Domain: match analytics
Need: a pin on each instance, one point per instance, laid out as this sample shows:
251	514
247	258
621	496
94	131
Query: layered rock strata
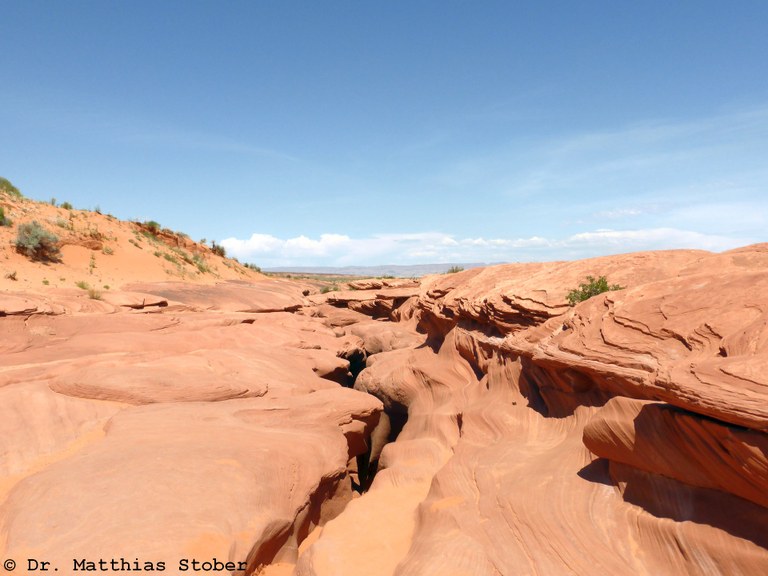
490	428
625	435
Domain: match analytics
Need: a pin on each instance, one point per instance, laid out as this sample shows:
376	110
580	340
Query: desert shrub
252	267
591	287
36	242
151	226
454	269
8	188
82	284
183	255
3	220
170	258
218	249
66	206
200	263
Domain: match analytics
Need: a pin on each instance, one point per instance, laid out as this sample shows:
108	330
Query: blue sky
340	133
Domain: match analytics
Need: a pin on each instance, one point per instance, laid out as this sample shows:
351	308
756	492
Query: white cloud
651	239
619	213
434	247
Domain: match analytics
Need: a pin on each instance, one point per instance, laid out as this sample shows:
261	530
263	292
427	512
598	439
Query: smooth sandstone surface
133	428
469	423
514	488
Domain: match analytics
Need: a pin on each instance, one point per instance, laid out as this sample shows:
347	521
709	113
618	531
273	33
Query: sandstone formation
470	423
625	435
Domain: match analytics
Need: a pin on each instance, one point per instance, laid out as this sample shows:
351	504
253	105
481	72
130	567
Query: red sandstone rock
216	425
658	438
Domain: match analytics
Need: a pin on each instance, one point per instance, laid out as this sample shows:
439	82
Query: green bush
592	287
454	269
3	220
218	249
66	205
8	188
198	261
36	242
151	226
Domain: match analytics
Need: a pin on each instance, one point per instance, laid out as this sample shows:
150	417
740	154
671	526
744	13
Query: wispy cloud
619	213
90	120
600	172
434	247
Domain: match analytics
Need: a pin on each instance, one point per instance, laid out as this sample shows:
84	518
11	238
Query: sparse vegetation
170	258
67	206
107	250
218	249
151	226
183	255
591	287
10	189
92	263
45	282
198	261
37	243
93	232
252	267
93	293
454	269
11	276
3	220
326	289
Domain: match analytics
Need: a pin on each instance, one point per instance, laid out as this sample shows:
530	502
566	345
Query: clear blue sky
397	132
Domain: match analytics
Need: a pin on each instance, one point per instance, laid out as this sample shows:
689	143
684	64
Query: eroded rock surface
625	435
175	433
491	428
